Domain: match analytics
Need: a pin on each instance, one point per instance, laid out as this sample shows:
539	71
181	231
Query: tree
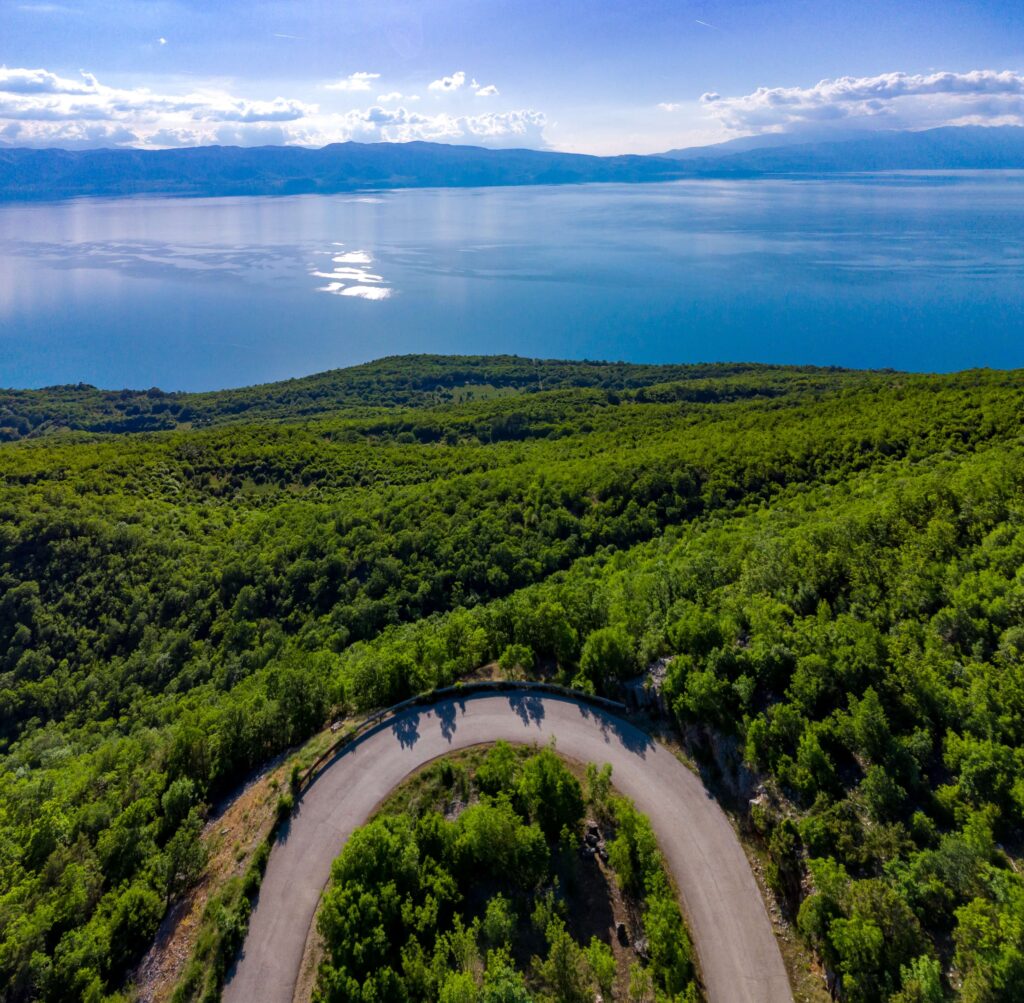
599	786
883	796
458	987
870	726
516	660
502	983
551	793
185	855
608	657
565	970
921	982
499	922
499	769
641	985
176	802
602	964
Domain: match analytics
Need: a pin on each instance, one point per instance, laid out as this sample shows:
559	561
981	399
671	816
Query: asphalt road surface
737	950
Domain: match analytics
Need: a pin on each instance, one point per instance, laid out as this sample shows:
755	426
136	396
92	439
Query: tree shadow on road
629	736
446	714
528	706
407	729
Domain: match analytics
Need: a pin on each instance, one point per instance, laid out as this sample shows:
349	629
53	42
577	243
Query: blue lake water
922	272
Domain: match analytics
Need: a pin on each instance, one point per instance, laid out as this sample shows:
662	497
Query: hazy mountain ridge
947	148
764	141
278	170
39	174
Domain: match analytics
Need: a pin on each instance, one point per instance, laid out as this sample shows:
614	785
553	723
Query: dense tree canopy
832	561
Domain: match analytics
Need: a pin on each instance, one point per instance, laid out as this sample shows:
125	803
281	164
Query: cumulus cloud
23	81
251	135
354	82
77	135
886	101
239	110
507	129
496	129
489	91
57	110
452	83
669	105
40	108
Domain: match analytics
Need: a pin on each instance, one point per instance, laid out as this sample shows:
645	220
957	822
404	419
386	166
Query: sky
597	77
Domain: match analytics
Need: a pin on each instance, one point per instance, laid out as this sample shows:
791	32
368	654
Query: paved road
738	954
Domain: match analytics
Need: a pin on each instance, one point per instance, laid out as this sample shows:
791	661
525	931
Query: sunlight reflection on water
367	285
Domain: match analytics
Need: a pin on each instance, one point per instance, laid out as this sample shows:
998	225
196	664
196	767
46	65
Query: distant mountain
281	170
765	141
284	170
949	148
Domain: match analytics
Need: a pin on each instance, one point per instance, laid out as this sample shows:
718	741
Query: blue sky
594	77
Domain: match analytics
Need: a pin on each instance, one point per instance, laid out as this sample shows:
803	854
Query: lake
916	271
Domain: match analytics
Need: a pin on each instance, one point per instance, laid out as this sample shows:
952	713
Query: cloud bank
41	108
495	129
887	101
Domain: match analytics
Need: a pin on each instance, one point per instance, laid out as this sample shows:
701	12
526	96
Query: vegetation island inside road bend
496	877
830	561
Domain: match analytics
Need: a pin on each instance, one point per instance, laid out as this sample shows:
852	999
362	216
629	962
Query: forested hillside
833	559
415	381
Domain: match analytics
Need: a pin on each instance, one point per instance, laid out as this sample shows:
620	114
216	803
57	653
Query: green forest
831	560
475	886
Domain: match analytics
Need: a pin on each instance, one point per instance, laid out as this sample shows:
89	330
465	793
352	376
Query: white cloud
40	108
886	101
487	92
452	83
506	129
162	41
669	105
244	134
57	111
239	110
70	135
524	127
354	82
23	81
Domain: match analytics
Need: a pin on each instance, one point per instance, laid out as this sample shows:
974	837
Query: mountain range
947	148
40	174
293	170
